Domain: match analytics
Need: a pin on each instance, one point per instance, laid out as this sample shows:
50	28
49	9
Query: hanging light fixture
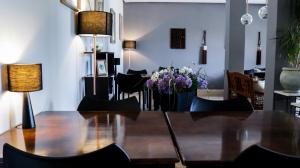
247	18
263	11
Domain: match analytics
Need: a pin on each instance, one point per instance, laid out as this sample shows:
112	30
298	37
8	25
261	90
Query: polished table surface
203	138
144	136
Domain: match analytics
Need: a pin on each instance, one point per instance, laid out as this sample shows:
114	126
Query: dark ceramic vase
167	102
184	100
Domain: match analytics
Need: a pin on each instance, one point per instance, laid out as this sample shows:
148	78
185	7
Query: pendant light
247	18
263	11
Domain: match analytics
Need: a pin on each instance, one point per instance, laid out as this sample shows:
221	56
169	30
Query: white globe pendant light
263	11
247	18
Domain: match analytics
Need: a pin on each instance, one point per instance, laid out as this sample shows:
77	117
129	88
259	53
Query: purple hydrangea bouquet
185	79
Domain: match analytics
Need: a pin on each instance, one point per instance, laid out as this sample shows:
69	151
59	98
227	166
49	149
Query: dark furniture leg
150	99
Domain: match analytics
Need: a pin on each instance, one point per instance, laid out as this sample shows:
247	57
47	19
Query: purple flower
188	82
165	84
149	83
202	83
183	82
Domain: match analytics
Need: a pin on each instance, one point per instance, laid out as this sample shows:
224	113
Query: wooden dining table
217	138
144	136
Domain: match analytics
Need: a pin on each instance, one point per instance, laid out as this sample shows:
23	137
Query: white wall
117	5
24	34
42	31
149	24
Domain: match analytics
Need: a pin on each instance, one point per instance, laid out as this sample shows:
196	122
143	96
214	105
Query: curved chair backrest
140	72
258	155
127	82
204	105
110	156
91	103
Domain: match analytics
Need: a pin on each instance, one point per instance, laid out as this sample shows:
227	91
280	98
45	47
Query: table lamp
94	23
25	78
129	45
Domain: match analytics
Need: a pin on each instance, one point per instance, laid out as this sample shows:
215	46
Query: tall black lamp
25	78
93	23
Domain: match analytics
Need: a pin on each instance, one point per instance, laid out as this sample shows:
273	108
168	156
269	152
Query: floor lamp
94	23
129	45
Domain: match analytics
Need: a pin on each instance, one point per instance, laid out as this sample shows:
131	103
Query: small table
289	96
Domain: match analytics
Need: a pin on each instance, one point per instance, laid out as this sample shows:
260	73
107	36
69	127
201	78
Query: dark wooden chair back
257	155
130	83
204	105
111	156
91	103
242	85
140	72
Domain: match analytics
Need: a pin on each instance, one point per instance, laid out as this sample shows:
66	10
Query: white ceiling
196	1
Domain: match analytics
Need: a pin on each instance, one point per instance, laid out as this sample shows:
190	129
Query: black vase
167	102
184	100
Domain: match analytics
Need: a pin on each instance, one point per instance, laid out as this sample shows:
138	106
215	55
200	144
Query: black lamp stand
28	116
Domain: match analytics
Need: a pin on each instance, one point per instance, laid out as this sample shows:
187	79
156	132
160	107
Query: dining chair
109	157
133	72
204	105
130	83
241	85
257	155
92	103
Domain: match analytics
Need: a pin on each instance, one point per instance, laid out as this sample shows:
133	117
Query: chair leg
143	93
140	98
123	96
118	93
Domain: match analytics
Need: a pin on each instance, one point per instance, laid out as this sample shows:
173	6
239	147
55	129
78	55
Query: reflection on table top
144	136
204	138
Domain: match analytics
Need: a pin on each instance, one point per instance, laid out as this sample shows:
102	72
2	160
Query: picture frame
120	27
113	36
177	38
101	67
72	4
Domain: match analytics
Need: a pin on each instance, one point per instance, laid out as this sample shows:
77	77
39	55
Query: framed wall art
177	40
101	67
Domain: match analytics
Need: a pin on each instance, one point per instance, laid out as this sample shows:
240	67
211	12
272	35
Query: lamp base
28	117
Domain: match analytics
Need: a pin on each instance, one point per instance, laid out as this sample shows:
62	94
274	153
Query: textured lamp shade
94	22
24	77
129	44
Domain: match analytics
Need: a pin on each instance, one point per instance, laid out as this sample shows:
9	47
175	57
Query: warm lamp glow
24	77
129	44
94	23
11	109
9	53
